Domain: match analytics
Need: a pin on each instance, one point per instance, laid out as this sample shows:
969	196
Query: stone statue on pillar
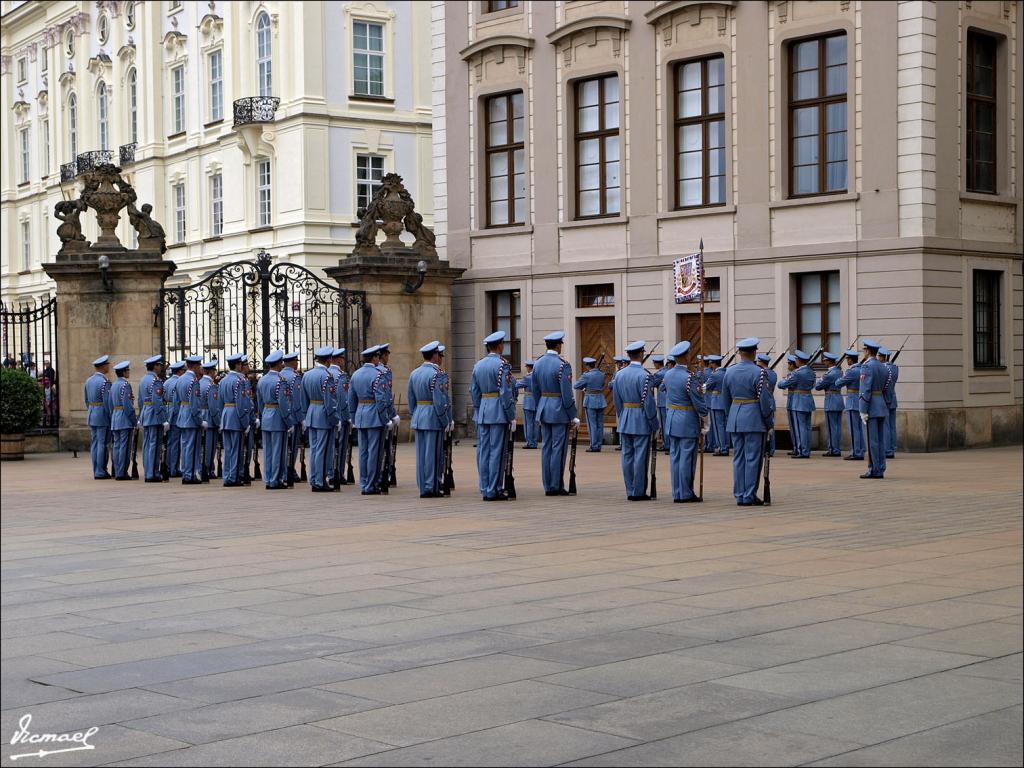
151	233
70	229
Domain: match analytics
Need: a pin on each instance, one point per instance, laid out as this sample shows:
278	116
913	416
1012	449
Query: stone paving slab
296	629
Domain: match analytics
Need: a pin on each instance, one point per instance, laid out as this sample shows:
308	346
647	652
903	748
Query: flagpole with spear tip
700	443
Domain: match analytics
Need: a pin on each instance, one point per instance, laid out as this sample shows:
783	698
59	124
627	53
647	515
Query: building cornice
662	10
591	22
518	41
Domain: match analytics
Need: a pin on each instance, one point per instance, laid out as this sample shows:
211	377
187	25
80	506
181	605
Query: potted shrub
21	408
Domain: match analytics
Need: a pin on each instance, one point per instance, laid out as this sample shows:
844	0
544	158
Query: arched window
263	60
133	105
73	126
101	100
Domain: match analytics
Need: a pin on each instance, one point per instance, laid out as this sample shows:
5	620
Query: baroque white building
245	124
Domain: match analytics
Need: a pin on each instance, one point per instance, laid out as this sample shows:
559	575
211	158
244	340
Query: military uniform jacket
236	408
293	381
368	397
829	383
274	401
657	377
209	401
388	383
634	399
97	400
685	403
747	396
526	384
552	389
800	383
894	376
851	380
247	394
592	384
171	398
874	385
190	408
429	404
320	392
122	405
152	409
713	389
493	391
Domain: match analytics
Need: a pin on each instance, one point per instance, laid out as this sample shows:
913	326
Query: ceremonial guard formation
591	383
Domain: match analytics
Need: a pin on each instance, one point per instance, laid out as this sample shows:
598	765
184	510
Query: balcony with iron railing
255	109
86	161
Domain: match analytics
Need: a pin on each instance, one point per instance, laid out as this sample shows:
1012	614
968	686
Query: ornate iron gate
255	307
30	344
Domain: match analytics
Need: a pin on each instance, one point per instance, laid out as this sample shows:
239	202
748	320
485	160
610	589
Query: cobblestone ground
852	623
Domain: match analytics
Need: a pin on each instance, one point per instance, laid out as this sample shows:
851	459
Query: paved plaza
853	623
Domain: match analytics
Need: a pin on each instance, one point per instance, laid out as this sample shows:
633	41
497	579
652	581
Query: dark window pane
835	50
805	55
700	142
805	85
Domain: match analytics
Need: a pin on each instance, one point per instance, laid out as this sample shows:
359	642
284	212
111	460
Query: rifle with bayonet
656	344
350	475
383	470
897	353
781	355
572	460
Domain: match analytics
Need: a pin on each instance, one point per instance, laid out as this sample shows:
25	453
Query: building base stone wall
945	429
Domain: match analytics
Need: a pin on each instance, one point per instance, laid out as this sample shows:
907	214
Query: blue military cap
852	353
210	364
589	360
177	365
670	358
369	351
430	346
802	355
883	351
495	337
680	349
123	365
529	362
620	359
274	357
234	358
713	358
871	344
384	345
153	359
291	356
338	352
657	358
441	348
194	359
636	346
764	358
244	359
750	342
790	359
324	352
831	356
101	360
555	336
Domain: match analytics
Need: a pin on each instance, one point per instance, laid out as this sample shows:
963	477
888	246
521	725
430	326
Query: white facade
354	83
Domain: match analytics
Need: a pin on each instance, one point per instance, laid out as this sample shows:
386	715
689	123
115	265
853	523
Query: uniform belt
852	389
631	405
367	402
595	391
118	407
550	394
680	407
424	402
743	400
184	402
876	391
489	394
95	405
316	402
801	391
833	392
229	405
714	392
147	402
271	406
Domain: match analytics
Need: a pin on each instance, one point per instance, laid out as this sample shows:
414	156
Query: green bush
21	402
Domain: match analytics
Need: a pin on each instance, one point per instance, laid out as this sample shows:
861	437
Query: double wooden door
689	330
597	338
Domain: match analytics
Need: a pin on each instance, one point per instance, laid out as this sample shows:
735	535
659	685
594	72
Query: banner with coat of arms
688	272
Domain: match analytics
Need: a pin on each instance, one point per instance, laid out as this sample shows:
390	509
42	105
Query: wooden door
689	330
597	337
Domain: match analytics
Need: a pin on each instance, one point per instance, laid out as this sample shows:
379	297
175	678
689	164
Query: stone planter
12	447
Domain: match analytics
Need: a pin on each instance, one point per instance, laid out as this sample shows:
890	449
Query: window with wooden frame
500	5
817	116
505	309
981	112
598	185
818	312
987	312
700	132
506	161
599	295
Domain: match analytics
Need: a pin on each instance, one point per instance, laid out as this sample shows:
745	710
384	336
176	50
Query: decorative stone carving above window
212	29
589	32
21	110
667	16
174	46
100	66
126	53
497	49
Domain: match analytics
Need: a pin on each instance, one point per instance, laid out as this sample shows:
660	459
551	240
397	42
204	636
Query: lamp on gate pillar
103	262
421	275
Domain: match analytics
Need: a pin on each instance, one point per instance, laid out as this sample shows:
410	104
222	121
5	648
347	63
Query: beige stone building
852	167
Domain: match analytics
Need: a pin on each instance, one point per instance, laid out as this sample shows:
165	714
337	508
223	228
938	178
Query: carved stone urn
107	193
393	205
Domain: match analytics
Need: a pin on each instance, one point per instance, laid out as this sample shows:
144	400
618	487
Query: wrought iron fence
255	109
68	172
126	152
29	341
86	161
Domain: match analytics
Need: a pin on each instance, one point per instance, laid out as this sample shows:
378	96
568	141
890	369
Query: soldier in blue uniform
764	361
893	372
657	375
122	419
833	403
235	414
556	410
637	409
338	449
529	407
747	396
621	361
790	418
97	404
274	403
800	384
851	380
389	381
686	412
153	417
173	435
592	384
713	392
874	408
190	420
368	401
290	373
430	416
319	394
209	407
492	392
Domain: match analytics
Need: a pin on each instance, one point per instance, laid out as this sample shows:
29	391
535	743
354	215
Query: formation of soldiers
197	424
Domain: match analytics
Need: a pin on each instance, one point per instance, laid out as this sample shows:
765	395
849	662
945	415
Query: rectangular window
981	112
22	70
505	317
44	60
598	191
263	192
216	86
217	204
179	213
26	246
174	5
817	116
712	289
987	314
368	58
506	171
818	312
602	295
369	172
700	132
44	142
23	142
178	98
501	5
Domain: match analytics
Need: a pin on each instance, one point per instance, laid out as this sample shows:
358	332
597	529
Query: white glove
705	425
246	431
864	418
205	425
576	422
167	427
257	423
351	423
303	425
449	428
291	430
395	421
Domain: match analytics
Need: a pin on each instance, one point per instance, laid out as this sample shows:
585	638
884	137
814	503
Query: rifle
350	475
815	356
572	462
135	453
654	464
336	469
303	477
897	354
767	464
165	471
383	480
257	443
781	355
220	450
447	474
204	471
509	484
285	455
393	461
650	353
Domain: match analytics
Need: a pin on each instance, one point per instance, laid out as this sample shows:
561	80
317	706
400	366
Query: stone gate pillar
106	293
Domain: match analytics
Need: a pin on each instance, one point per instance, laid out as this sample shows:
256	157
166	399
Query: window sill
983	197
706	210
257	230
212	123
213	239
990	370
502	15
24	272
177	135
515	229
595	222
175	245
382	100
796	202
24	184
